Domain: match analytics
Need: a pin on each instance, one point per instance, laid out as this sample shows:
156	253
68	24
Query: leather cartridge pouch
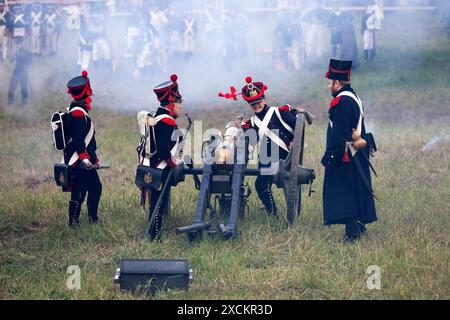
62	174
372	144
147	177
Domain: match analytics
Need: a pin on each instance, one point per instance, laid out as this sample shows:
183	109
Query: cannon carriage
223	192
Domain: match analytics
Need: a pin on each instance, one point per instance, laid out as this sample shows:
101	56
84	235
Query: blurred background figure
189	35
4	17
371	22
149	60
133	33
282	44
314	21
36	27
298	43
52	24
101	53
335	24
349	47
19	24
86	42
20	73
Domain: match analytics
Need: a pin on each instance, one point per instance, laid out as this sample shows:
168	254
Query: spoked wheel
292	189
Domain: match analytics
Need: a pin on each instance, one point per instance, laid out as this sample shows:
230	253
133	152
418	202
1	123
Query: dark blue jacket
266	147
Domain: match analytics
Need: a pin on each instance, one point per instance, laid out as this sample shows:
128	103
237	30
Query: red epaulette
77	114
335	102
169	121
285	108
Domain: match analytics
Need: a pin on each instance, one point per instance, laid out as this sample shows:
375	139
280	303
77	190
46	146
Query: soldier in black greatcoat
80	152
347	191
164	153
274	130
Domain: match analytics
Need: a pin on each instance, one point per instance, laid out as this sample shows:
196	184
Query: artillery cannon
223	175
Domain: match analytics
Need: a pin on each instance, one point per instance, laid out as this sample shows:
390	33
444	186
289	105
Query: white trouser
369	39
3	43
51	39
100	50
84	58
145	58
35	40
132	34
189	43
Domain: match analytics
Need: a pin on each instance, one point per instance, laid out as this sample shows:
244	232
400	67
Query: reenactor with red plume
274	128
80	152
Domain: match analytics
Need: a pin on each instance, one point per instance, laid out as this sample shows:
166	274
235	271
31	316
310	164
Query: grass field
407	99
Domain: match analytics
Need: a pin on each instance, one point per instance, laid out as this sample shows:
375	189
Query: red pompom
84	73
174	78
228	96
249	80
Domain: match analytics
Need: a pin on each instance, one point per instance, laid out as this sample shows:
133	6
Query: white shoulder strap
264	131
160	117
288	128
79	109
360	105
88	138
146	161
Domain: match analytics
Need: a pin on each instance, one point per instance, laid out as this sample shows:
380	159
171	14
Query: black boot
373	54
269	203
92	205
354	229
74	214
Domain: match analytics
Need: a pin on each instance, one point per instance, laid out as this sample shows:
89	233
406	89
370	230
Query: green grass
407	104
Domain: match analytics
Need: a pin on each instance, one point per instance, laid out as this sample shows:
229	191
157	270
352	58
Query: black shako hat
339	70
80	87
168	92
253	92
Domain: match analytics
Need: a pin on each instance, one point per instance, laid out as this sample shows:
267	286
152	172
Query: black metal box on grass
150	276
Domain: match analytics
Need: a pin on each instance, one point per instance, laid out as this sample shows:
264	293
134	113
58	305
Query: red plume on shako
80	89
252	92
168	93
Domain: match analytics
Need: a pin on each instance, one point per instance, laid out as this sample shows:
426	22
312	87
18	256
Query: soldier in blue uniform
164	146
347	191
4	34
35	29
273	125
80	152
18	25
20	73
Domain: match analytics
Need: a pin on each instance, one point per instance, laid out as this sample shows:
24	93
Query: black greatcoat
344	194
